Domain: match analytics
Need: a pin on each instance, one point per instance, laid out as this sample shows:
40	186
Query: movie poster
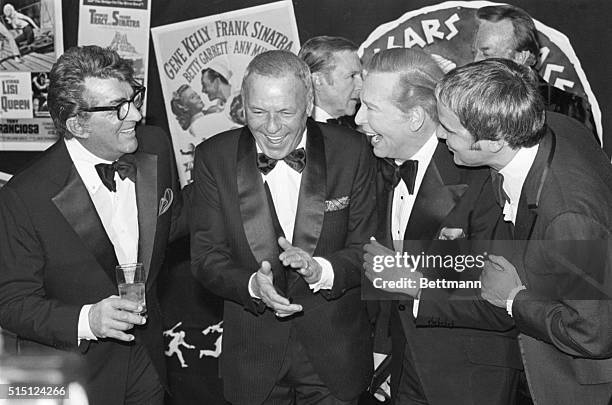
121	25
447	30
201	63
30	42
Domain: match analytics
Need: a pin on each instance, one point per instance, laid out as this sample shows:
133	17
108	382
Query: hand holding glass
131	283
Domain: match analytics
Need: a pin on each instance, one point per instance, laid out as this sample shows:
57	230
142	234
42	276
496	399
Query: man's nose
272	124
360	118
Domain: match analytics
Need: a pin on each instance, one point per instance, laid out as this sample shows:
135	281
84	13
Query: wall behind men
584	22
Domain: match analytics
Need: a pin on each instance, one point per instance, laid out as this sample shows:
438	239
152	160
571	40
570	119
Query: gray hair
419	75
318	52
277	64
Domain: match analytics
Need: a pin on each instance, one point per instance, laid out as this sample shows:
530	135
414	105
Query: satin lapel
254	210
532	189
76	206
147	198
434	202
311	200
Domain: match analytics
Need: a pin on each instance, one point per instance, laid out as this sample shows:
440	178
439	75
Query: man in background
335	69
508	32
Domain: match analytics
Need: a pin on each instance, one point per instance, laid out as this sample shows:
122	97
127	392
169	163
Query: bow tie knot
106	171
407	171
295	160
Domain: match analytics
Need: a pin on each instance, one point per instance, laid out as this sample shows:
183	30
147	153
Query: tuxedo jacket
233	232
55	257
451	362
565	314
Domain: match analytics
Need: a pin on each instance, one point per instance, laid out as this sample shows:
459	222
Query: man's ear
76	128
416	118
317	79
525	58
492	146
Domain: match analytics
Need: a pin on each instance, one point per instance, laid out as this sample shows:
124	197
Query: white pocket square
165	202
451	234
337	204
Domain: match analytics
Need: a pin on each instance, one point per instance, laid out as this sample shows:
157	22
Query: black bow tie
295	160
407	171
345	121
106	171
498	188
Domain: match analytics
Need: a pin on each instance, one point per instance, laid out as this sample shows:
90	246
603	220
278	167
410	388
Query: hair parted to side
419	75
318	52
67	77
525	32
495	99
278	64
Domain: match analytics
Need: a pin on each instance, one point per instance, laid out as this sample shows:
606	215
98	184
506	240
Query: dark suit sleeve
579	321
212	261
24	307
347	262
464	307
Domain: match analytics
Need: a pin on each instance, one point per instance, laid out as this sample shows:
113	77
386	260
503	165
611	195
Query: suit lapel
311	200
75	204
435	199
532	189
254	211
146	200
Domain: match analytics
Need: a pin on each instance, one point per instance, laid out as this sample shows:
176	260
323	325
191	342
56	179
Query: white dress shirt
403	202
117	211
284	185
320	115
515	173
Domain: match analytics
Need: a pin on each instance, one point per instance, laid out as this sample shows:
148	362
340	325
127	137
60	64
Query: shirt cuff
84	330
251	293
512	296
327	276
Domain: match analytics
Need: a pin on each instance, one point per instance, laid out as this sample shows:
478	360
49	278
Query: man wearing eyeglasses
104	194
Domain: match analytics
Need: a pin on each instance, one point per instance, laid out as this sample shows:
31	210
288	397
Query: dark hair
496	99
525	32
212	74
318	52
419	75
277	63
180	110
67	80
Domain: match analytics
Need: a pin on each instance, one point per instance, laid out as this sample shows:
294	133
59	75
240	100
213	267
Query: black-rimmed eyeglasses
123	108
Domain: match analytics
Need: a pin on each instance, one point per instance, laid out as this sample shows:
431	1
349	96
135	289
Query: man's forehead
106	89
346	60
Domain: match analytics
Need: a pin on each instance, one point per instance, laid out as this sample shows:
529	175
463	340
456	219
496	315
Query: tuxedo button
401	307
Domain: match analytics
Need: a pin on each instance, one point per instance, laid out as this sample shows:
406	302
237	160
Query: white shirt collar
515	174
85	162
320	115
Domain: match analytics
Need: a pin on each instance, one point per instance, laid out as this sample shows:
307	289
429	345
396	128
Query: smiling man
335	69
420	191
88	203
284	206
